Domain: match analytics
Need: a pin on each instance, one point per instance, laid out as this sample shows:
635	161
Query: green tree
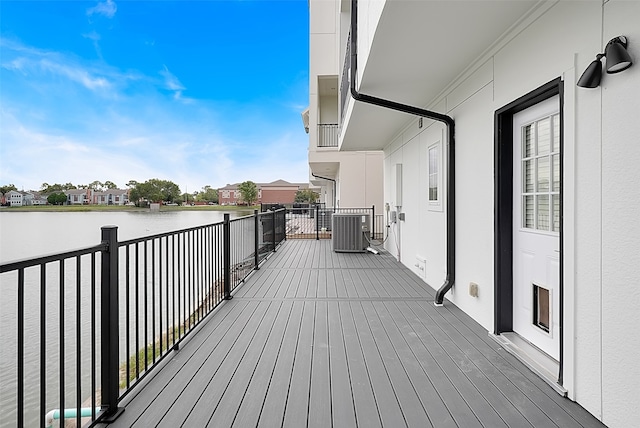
306	195
110	185
248	192
208	194
57	198
7	188
96	186
187	197
53	188
155	190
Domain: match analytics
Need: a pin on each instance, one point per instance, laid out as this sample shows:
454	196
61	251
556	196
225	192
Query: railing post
373	222
109	341
257	239
317	222
273	224
226	254
284	225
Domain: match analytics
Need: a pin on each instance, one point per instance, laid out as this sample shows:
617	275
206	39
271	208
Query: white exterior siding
358	175
601	179
620	229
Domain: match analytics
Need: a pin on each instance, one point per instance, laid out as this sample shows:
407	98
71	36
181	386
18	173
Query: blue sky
196	92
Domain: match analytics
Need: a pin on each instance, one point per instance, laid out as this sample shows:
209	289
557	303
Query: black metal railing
92	323
314	221
328	135
344	82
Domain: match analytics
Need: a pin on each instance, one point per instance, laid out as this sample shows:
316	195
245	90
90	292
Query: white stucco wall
360	180
602	196
329	110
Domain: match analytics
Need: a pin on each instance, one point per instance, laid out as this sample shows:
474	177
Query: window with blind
434	174
541	174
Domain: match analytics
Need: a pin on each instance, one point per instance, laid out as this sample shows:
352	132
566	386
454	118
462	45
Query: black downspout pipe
448	121
334	188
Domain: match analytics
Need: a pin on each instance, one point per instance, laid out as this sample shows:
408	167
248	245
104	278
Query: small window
541	174
434	163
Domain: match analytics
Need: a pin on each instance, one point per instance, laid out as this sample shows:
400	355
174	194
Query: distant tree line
153	190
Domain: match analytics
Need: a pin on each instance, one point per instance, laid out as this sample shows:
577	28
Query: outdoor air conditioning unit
350	233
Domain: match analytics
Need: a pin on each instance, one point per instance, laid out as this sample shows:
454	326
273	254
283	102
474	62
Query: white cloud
107	8
76	74
95	38
172	83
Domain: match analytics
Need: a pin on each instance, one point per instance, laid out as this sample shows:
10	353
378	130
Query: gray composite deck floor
320	339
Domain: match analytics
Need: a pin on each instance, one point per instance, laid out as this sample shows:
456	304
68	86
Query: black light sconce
618	59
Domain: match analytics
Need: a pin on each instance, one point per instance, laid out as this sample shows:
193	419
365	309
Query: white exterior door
536	222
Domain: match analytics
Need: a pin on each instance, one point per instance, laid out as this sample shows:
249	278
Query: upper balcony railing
91	323
344	84
328	135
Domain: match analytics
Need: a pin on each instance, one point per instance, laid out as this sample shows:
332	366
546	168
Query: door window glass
541	174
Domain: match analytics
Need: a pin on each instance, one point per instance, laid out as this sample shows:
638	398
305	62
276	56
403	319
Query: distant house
14	198
111	197
33	198
38	199
279	191
78	196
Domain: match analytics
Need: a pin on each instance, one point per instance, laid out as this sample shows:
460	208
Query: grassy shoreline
123	208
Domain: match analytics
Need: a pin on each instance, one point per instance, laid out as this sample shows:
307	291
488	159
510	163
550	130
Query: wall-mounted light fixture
618	59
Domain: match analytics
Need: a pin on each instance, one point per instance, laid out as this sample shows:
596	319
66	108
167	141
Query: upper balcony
413	53
327	135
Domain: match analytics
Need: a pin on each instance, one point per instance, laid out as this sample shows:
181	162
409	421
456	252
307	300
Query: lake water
31	234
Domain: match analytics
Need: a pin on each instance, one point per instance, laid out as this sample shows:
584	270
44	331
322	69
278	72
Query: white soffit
418	49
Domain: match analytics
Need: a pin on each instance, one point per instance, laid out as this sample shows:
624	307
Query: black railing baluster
273	232
187	278
93	337
153	301
159	294
20	347
184	318
43	343
317	222
226	249
61	348
167	289
174	288
256	240
127	309
145	265
373	222
200	300
137	269
78	341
